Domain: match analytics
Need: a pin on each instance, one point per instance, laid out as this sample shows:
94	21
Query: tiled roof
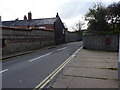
43	21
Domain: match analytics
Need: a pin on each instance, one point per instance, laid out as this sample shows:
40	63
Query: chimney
29	15
57	15
25	17
16	19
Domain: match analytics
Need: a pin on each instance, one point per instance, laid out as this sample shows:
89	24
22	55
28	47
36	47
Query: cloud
72	21
70	11
11	9
73	9
94	0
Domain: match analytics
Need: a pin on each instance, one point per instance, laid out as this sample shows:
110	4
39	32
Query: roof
19	29
43	21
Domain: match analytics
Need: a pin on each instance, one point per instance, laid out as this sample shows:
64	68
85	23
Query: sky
70	11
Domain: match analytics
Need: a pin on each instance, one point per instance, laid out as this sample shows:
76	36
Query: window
30	27
42	27
63	31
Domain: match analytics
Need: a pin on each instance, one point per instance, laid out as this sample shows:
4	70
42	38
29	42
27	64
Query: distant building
54	24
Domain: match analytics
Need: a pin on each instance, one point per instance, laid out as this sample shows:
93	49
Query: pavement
90	69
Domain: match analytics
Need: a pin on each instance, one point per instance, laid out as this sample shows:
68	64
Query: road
27	71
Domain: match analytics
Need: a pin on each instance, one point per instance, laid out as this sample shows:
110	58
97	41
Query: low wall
119	64
101	42
22	40
71	37
19	40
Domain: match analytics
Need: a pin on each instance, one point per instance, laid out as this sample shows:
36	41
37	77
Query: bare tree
77	26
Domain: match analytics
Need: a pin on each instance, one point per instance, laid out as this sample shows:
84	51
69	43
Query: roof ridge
41	21
31	19
45	18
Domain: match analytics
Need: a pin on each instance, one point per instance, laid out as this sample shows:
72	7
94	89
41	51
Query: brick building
53	24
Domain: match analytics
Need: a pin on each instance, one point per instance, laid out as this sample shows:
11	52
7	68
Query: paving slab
63	82
96	59
91	72
92	83
94	65
95	53
90	69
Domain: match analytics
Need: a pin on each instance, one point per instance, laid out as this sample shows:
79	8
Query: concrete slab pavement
90	69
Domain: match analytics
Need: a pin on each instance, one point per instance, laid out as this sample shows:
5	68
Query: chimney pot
57	15
29	15
16	19
25	17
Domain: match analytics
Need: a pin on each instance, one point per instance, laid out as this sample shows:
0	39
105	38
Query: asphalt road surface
27	71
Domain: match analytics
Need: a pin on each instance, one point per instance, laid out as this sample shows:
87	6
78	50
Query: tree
97	18
77	26
114	15
77	29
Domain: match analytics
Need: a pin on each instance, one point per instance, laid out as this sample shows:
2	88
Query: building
0	21
53	24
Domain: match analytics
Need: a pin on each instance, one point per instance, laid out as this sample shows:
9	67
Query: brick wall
19	40
99	42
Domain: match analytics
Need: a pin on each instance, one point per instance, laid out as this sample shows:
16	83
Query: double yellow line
55	72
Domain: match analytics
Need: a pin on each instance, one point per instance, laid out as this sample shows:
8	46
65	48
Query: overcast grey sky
70	11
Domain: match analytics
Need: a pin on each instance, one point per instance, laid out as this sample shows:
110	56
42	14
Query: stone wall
19	40
71	37
119	63
23	40
101	42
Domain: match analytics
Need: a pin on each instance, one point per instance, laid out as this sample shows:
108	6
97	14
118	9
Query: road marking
56	71
3	70
71	43
40	57
61	49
